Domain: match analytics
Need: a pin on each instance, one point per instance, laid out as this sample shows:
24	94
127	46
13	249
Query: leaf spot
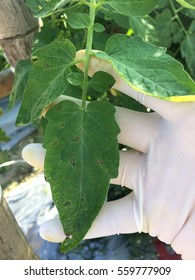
72	162
67	203
77	138
68	236
47	65
58	108
55	142
99	161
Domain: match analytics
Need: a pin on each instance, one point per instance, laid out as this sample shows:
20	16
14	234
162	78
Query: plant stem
177	17
92	12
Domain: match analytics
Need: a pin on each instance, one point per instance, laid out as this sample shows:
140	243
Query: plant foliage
150	44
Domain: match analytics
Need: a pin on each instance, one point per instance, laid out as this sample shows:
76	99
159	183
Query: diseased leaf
81	158
47	79
133	7
148	68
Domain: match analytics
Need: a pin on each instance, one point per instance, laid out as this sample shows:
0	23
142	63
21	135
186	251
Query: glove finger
169	110
136	128
115	217
184	242
128	169
34	154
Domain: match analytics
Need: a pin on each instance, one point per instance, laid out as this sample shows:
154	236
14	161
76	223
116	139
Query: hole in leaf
67	203
72	162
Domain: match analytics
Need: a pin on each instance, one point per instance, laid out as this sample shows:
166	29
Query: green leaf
81	158
75	79
190	4
177	32
148	68
163	22
98	27
122	20
43	8
79	20
20	81
47	79
4	156
132	7
3	136
145	28
101	81
188	52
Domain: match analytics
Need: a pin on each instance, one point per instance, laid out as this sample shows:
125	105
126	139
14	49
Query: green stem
177	17
92	12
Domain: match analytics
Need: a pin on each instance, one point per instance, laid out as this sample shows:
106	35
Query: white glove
160	171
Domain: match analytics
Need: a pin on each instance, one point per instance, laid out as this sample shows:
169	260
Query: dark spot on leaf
55	142
87	170
76	138
72	162
82	199
58	108
67	203
62	125
68	236
99	161
47	65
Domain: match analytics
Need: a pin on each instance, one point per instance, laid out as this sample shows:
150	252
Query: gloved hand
159	170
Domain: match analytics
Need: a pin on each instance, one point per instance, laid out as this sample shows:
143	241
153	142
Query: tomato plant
147	42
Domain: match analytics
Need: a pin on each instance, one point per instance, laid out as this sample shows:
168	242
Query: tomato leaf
79	20
81	157
188	51
20	80
47	79
3	136
145	28
148	68
43	8
190	4
133	7
101	81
